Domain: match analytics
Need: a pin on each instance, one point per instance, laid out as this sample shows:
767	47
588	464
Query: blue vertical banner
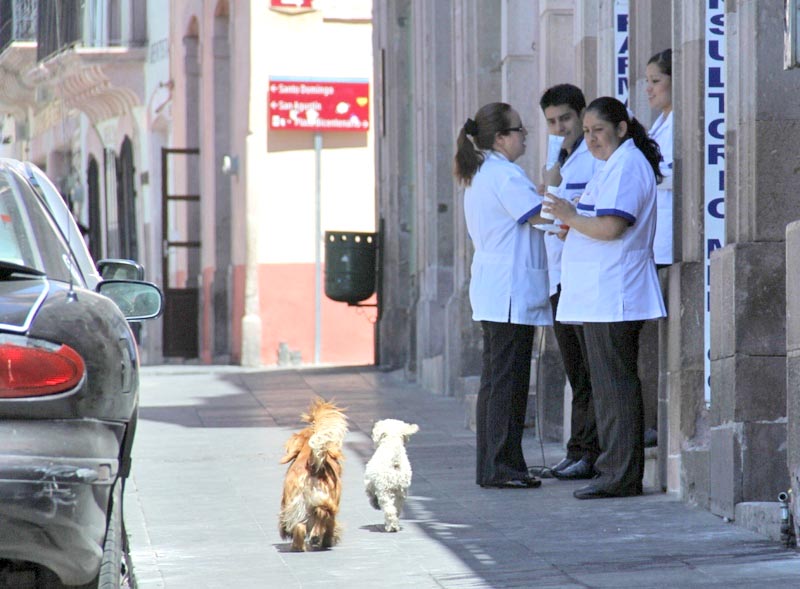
621	51
714	218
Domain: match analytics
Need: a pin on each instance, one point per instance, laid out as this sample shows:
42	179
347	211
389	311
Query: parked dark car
69	377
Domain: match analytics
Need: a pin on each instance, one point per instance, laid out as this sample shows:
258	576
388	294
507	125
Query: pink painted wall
274	188
287	311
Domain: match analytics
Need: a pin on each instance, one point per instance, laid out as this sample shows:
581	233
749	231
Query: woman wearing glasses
508	287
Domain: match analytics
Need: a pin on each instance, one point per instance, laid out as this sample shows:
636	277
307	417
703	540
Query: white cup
546	197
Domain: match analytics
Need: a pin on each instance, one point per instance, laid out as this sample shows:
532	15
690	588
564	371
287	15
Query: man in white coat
563	107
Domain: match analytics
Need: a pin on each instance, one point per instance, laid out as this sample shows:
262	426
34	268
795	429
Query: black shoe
580	470
526	483
540	471
532	482
591	492
565	463
650	438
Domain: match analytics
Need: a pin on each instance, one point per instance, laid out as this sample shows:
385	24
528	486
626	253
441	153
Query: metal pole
317	240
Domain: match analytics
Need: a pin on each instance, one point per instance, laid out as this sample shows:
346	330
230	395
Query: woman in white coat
659	96
609	284
508	286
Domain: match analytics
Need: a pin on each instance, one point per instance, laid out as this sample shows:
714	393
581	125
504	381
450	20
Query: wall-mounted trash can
350	265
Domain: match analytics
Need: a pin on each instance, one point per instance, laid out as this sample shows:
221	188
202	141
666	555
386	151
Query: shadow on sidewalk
501	537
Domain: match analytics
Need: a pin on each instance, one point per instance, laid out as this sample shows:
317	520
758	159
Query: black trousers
613	350
502	400
583	442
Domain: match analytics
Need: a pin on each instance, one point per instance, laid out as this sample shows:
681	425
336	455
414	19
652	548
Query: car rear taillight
36	371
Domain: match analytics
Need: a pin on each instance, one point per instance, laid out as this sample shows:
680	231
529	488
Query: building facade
725	404
152	117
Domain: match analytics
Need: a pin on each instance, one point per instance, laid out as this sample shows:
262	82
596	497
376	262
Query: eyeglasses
520	129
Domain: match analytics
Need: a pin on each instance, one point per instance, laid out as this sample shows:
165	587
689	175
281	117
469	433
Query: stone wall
682	413
738	449
748	375
793	367
748	276
394	182
432	154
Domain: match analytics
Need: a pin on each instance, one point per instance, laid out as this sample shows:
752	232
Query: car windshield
28	236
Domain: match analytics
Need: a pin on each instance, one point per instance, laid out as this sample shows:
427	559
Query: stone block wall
433	149
394	183
748	367
683	406
687	419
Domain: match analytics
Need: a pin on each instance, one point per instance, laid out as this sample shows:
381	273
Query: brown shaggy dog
312	487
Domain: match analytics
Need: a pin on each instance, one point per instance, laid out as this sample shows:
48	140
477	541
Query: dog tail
325	452
330	427
321	409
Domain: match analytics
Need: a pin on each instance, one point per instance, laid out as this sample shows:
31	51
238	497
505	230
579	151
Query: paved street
202	504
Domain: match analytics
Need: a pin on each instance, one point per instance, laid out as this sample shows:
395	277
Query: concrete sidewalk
202	504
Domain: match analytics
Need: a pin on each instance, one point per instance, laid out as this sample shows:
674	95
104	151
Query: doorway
180	238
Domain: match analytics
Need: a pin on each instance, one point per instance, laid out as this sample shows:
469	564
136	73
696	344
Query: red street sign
292	4
318	105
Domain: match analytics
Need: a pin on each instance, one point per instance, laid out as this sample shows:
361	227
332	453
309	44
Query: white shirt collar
661	123
626	146
492	153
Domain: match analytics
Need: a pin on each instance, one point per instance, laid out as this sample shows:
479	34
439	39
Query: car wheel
115	567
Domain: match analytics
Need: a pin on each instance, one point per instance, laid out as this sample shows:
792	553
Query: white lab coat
508	281
661	131
616	280
575	175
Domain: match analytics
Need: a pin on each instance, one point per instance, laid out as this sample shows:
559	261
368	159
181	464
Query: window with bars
58	26
89	23
17	21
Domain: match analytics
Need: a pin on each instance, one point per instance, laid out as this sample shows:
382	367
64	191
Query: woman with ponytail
508	287
609	284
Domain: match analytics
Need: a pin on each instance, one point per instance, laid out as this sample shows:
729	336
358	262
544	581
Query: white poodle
388	473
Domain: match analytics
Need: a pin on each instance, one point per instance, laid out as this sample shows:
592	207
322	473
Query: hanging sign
714	218
621	51
292	6
318	105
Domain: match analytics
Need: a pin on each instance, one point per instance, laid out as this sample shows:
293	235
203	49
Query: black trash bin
350	265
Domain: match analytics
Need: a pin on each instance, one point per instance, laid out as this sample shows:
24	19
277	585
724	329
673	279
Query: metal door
180	238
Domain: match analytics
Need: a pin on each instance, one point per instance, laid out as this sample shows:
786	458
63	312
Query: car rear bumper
55	481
